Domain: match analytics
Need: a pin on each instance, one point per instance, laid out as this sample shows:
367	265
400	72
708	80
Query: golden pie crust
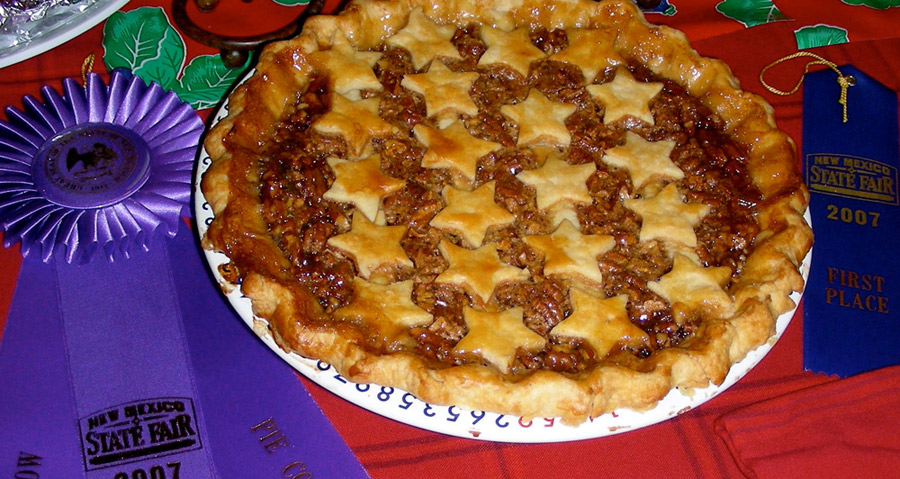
498	362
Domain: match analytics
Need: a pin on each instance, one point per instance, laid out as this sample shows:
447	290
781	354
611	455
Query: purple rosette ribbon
132	365
101	168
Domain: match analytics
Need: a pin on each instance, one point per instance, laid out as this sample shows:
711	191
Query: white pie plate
453	420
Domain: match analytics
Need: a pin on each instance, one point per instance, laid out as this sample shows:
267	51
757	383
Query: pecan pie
547	208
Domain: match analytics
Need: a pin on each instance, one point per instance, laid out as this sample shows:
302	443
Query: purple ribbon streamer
89	348
264	396
37	436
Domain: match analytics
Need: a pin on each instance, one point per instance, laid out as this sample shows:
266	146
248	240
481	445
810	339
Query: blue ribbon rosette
120	357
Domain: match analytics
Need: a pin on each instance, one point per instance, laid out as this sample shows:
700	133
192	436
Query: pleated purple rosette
98	169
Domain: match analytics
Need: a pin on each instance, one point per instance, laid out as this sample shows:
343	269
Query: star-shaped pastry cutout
540	120
563	212
644	160
602	322
356	121
690	286
590	50
470	214
625	96
453	148
445	91
510	48
557	181
371	246
387	310
477	271
424	39
667	217
570	254
361	183
349	70
497	336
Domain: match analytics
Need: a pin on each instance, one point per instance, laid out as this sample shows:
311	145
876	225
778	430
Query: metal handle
235	50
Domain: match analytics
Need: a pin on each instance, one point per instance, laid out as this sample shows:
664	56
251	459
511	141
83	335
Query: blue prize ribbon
851	309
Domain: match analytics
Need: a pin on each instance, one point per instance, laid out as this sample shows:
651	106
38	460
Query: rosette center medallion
91	165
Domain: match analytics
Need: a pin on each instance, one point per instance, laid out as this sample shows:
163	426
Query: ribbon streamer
851	171
102	362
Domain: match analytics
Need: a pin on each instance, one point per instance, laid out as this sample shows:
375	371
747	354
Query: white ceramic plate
76	24
453	420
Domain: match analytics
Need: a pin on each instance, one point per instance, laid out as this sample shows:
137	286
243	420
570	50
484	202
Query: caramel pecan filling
303	163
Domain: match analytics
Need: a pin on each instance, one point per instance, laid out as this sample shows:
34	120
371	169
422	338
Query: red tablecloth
685	446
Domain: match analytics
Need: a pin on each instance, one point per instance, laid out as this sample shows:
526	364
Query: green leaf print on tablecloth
145	42
750	12
820	36
876	4
205	81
